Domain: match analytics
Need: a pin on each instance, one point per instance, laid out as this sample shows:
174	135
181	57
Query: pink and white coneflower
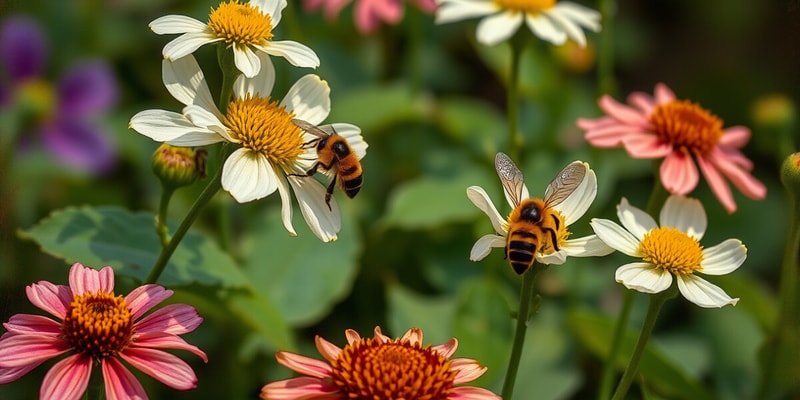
379	368
94	325
661	126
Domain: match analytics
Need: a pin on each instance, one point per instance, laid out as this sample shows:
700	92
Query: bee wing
511	178
310	128
564	184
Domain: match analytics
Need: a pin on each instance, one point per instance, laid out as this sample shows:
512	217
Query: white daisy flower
566	199
244	27
551	20
271	149
671	249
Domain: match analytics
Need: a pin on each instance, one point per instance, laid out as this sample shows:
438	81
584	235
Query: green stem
656	302
229	75
166	252
605	57
523	318
609	366
161	219
658	195
515	141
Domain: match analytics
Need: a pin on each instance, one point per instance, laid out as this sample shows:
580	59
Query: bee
334	154
533	223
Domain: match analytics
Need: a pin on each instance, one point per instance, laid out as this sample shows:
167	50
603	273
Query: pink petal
678	173
646	146
663	94
717	184
166	368
643	102
33	324
120	383
595	123
447	349
52	298
304	365
157	340
369	14
301	388
613	135
744	181
735	137
20	350
352	336
413	336
472	393
328	350
145	297
175	319
67	379
468	370
84	279
379	336
622	112
8	375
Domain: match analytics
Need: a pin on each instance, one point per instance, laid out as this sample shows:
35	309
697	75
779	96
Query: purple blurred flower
85	90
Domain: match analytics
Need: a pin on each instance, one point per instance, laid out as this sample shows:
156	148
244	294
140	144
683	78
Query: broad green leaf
475	123
258	311
408	309
734	338
594	332
301	275
128	242
374	107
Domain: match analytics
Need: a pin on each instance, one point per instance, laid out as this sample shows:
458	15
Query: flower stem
605	58
229	75
656	302
523	318
161	219
166	252
616	342
515	141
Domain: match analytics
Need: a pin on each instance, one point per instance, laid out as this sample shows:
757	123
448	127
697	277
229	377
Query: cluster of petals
316	382
31	340
554	24
195	33
689	218
572	209
369	14
630	126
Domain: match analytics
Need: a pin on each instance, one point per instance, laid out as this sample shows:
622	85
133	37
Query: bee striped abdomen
521	249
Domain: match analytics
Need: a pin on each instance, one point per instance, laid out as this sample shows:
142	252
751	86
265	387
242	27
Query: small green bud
790	175
179	166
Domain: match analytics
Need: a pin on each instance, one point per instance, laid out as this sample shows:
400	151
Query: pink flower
369	13
95	325
379	368
665	127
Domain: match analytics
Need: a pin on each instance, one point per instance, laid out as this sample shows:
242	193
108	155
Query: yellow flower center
672	250
532	7
687	126
264	127
98	324
369	369
240	24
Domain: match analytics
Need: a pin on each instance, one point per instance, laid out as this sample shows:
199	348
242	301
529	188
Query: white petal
324	222
271	7
587	246
176	24
297	54
685	214
457	10
496	28
167	126
583	16
723	258
615	236
248	176
286	206
635	220
352	134
246	61
481	199
185	81
703	293
259	85
206	119
484	245
643	277
544	28
576	204
309	98
566	24
187	43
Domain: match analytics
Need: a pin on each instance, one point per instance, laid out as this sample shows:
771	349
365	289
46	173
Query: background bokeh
431	104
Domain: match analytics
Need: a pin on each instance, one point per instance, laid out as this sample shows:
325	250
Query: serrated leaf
127	242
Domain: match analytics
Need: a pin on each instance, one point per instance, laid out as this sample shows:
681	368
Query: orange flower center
687	126
672	250
392	370
264	127
527	6
98	324
240	24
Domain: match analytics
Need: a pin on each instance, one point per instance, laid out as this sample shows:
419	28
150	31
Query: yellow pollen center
240	24
562	234
672	250
532	7
98	324
687	126
263	126
369	369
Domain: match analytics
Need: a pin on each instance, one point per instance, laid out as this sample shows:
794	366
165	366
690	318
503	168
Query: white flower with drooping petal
672	249
550	20
244	27
272	150
570	210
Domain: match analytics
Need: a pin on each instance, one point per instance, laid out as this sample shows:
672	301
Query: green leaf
127	242
475	123
396	103
594	332
408	309
258	311
302	276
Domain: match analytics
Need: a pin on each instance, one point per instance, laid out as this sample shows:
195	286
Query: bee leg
329	192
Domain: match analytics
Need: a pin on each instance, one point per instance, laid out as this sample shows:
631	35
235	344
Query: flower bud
790	175
179	166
